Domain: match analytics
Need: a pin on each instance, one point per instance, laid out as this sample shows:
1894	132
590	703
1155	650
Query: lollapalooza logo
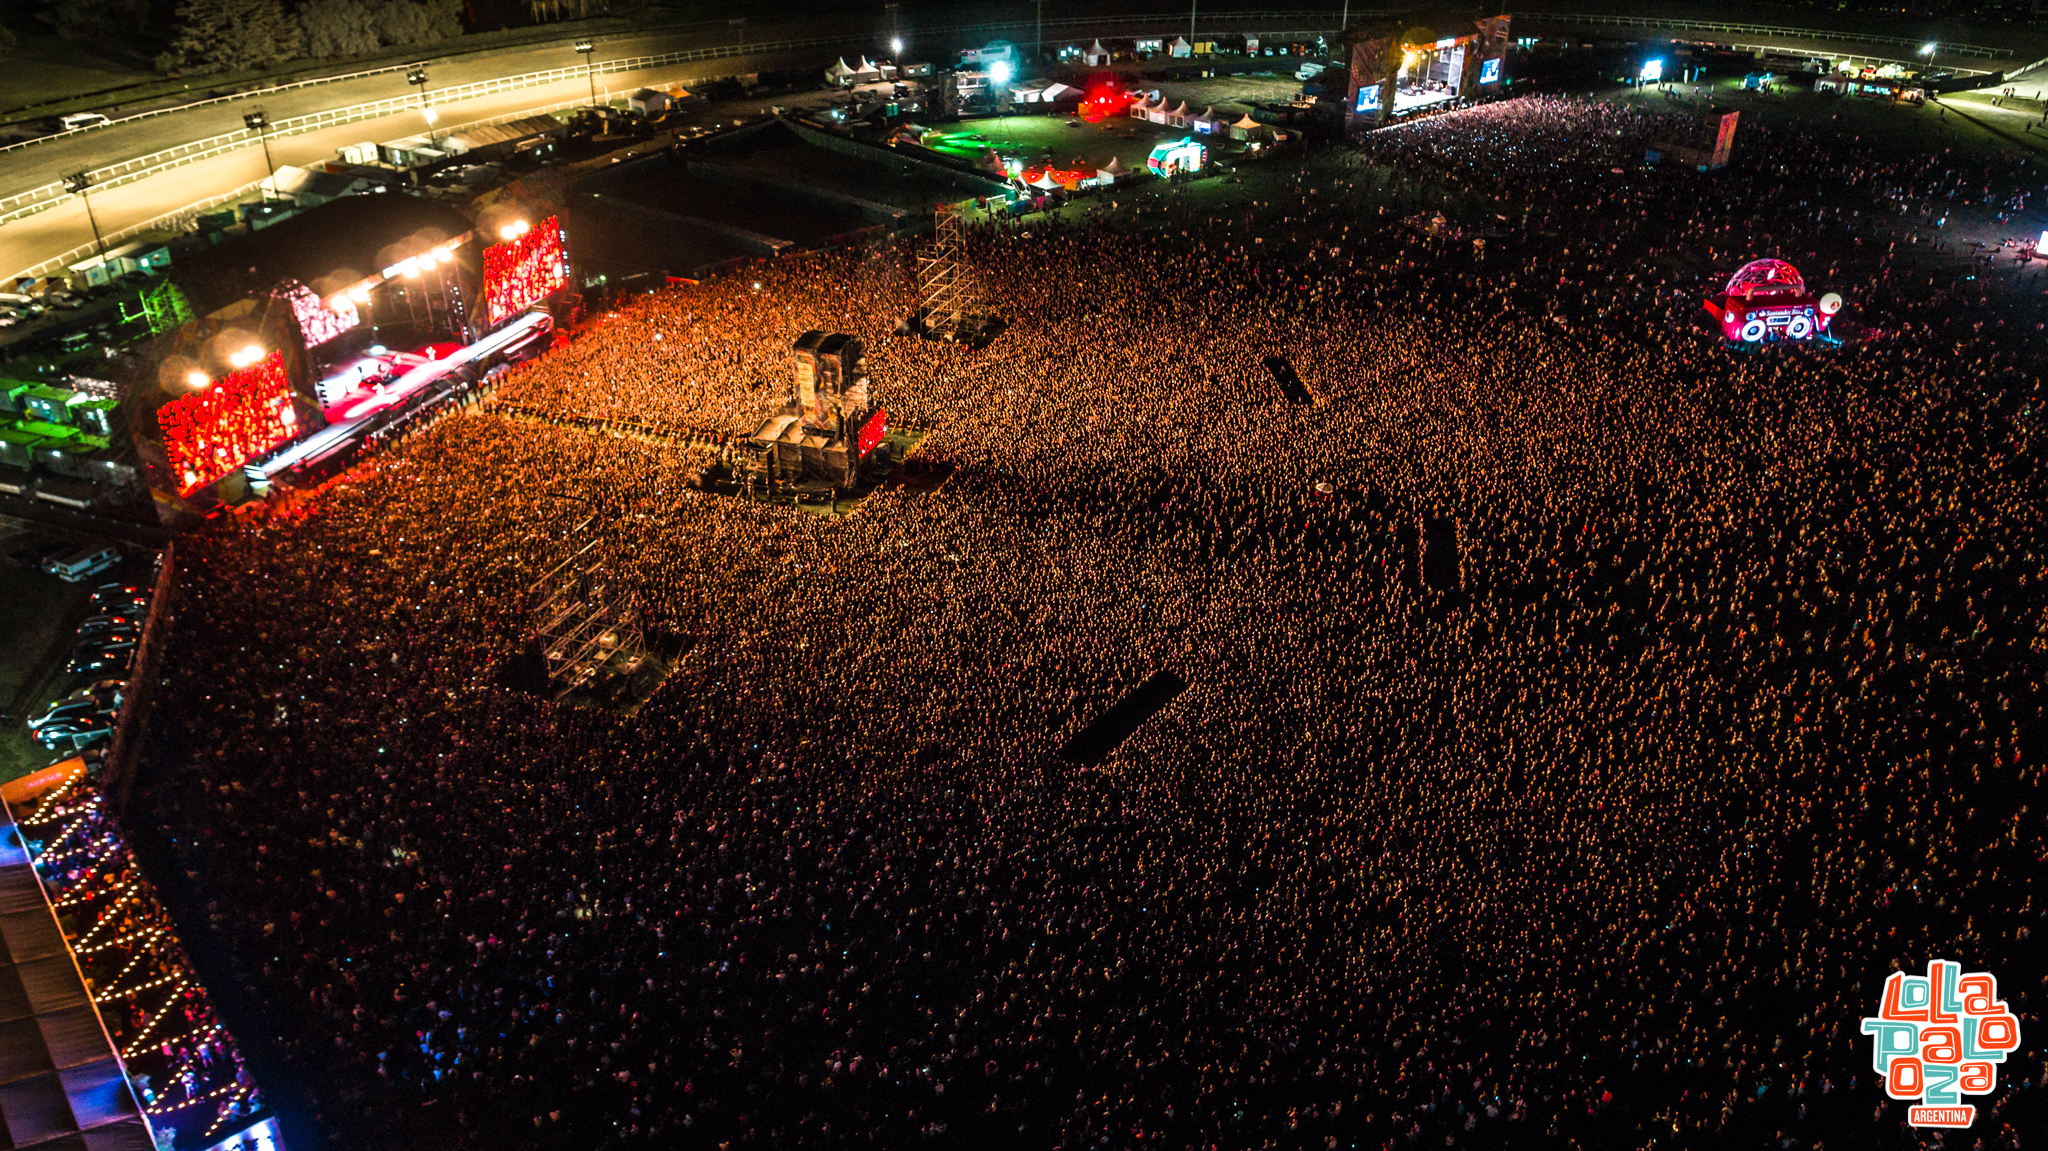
1938	1037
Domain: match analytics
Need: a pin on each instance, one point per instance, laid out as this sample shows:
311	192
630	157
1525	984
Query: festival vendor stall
1096	56
839	75
1142	108
1247	128
1111	172
1208	123
1178	118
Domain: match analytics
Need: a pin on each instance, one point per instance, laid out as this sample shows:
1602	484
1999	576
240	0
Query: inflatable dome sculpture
1767	300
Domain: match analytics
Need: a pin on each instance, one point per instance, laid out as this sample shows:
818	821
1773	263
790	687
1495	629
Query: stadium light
514	230
246	356
258	122
999	72
586	47
196	378
77	183
896	45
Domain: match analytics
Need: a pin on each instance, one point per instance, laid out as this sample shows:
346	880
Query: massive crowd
1716	700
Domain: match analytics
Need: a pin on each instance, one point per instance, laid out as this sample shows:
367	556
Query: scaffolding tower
948	306
588	629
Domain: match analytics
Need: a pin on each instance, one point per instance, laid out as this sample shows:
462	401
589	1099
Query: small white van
83	564
77	120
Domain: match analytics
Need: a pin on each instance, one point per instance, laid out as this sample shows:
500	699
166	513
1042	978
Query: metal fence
1722	28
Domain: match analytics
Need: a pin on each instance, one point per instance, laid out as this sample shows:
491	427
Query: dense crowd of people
1582	720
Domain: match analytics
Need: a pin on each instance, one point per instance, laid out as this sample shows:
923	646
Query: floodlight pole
1039	52
1191	21
589	69
418	78
77	183
259	123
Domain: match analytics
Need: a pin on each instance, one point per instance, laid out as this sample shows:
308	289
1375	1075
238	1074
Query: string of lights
155	1010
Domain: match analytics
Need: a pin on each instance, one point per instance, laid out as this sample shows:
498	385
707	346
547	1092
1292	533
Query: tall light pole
1191	22
1927	50
739	24
259	123
1039	52
589	70
417	77
76	184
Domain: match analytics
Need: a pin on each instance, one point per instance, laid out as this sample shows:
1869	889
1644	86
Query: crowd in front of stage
1606	830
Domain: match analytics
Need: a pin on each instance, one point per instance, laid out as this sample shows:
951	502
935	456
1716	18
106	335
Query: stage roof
338	242
61	1083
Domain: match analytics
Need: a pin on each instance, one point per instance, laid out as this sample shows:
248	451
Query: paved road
33	239
44	163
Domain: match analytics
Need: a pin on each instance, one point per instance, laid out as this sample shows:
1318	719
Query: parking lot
43	614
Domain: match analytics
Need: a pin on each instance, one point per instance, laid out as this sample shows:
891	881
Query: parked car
105	690
111	596
99	633
58	737
128	617
70	712
95	659
8	320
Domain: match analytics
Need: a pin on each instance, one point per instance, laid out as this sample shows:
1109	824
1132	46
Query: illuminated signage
1489	71
1369	98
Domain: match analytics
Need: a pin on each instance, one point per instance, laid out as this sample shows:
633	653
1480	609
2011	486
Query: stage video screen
217	429
524	269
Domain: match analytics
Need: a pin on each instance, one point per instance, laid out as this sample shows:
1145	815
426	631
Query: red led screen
211	432
523	269
874	431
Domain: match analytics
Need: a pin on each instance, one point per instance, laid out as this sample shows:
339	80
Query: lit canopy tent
1180	47
868	72
1055	93
1096	56
1178	118
1112	171
1210	122
1246	128
1142	109
61	1081
839	74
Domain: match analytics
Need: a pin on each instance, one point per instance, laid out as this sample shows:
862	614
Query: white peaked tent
1210	123
868	72
1142	109
1096	56
839	75
1111	172
1180	48
1056	91
1046	182
1178	118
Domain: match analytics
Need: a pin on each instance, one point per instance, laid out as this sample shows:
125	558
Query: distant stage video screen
874	431
217	429
524	269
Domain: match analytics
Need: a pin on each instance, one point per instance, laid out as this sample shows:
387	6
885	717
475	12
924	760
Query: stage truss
948	300
587	626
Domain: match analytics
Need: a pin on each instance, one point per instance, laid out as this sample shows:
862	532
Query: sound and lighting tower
587	627
947	300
